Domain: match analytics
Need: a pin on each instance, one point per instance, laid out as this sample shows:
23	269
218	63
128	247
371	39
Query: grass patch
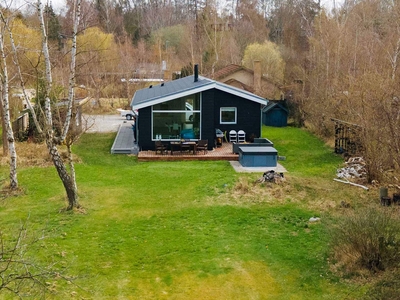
184	230
306	155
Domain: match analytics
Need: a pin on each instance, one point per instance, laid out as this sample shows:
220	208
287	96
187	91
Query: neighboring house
275	114
249	80
194	107
22	123
77	120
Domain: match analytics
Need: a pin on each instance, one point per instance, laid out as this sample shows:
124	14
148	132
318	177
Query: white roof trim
216	85
235	91
174	96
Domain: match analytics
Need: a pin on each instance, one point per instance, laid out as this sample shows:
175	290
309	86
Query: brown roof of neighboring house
232	68
246	87
229	69
224	73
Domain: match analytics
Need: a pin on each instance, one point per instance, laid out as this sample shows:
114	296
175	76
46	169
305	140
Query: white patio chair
241	136
233	136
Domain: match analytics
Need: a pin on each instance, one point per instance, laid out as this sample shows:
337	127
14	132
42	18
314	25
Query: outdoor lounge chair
202	145
160	147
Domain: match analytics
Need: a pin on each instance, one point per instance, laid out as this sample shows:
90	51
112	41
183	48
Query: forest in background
340	64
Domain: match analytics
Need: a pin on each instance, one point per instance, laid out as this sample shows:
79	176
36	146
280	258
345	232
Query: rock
345	204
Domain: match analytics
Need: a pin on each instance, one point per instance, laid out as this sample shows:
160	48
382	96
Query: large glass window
228	115
177	119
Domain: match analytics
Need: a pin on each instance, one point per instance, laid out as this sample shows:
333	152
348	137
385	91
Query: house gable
242	75
213	95
240	85
232	74
248	114
184	87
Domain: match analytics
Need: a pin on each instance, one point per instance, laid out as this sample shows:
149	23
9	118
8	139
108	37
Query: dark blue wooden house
275	114
193	108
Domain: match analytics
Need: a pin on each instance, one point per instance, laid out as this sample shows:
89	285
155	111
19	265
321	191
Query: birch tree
66	171
67	175
6	111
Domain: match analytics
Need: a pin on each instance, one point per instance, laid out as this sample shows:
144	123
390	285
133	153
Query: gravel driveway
104	123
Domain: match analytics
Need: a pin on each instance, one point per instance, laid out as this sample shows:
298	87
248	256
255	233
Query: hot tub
258	156
258	142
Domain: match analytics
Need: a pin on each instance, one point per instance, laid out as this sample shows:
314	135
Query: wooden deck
124	144
220	153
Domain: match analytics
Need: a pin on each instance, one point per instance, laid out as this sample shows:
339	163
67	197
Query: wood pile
354	169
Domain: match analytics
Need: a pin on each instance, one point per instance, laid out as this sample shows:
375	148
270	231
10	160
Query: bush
368	238
387	287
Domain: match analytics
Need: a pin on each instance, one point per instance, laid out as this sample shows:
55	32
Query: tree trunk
67	180
7	119
3	125
71	83
72	166
51	141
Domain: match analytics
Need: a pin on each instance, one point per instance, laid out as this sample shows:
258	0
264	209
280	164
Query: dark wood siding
276	117
248	118
144	126
207	118
248	114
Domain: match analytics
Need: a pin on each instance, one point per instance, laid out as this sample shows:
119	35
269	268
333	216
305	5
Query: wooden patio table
175	145
191	145
178	145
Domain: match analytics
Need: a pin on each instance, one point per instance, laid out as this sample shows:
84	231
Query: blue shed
275	114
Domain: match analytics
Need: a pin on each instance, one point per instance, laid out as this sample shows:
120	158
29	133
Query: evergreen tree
53	25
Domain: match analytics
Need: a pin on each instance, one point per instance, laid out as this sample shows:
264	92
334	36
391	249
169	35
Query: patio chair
202	145
160	147
175	128
241	136
233	136
185	147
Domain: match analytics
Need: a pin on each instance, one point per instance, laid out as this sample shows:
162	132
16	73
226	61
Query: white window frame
175	111
223	109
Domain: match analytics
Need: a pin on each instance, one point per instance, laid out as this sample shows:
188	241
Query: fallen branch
352	183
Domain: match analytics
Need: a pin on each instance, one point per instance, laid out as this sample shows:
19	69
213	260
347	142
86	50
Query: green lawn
180	230
306	155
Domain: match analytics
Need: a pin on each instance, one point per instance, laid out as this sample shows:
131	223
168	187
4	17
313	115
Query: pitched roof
184	87
272	104
232	68
235	82
229	69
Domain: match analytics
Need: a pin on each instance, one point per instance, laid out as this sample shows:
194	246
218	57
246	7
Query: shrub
387	287
369	238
